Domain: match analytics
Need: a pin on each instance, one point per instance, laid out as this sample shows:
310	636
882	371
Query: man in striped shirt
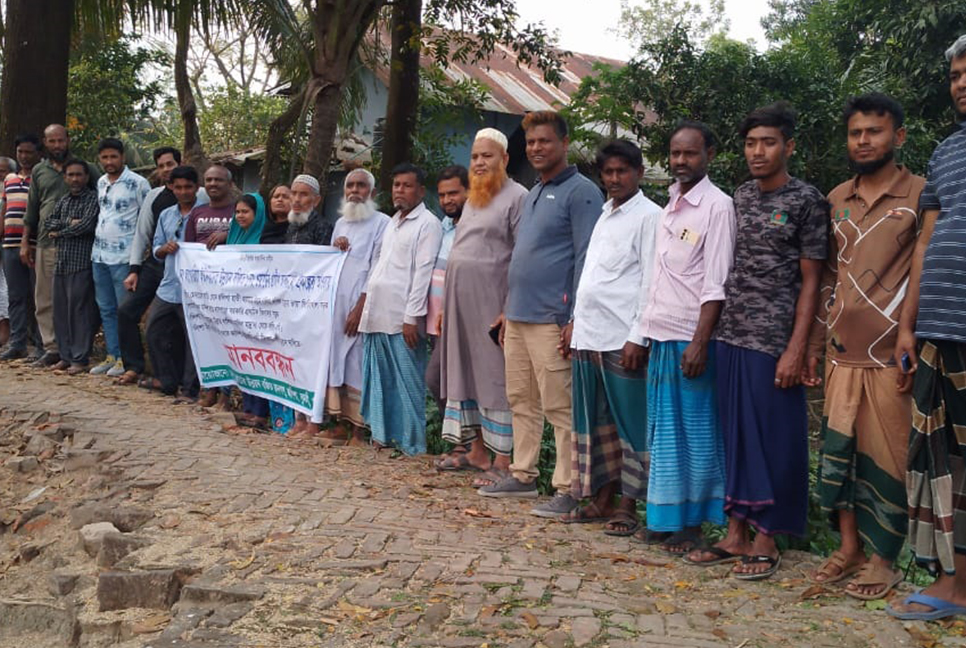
19	276
934	314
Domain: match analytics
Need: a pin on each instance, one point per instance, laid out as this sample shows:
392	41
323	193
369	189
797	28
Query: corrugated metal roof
516	89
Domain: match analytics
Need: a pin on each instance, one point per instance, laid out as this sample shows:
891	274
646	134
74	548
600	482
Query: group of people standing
670	349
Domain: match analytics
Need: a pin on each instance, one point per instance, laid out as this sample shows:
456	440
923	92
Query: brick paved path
303	546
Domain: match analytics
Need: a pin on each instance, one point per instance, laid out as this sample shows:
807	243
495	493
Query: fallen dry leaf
719	633
665	608
472	512
242	564
813	592
151	624
712	614
531	619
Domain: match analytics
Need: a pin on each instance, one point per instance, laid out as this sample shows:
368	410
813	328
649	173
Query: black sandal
686	540
773	565
721	556
622	524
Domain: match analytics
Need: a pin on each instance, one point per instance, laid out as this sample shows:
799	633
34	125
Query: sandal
721	556
683	542
129	377
871	575
645	536
584	515
150	383
773	565
622	524
839	561
454	463
490	477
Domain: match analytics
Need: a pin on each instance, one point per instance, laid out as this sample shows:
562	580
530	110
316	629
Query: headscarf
252	235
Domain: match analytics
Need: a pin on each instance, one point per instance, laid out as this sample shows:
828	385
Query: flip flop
128	378
583	515
622	524
491	476
650	538
941	608
837	559
721	556
874	575
455	463
687	540
150	383
773	565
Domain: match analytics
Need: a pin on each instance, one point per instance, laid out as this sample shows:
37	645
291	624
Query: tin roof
515	89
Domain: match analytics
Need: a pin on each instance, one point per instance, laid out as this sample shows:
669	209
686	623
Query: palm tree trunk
37	57
280	127
402	104
194	152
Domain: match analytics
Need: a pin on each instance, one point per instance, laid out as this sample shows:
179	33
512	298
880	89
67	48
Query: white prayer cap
306	179
369	177
492	134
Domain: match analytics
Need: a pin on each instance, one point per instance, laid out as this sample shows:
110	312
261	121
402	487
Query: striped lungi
609	425
936	476
394	391
464	420
687	476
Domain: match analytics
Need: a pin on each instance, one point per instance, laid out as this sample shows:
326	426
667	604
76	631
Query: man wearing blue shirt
558	218
166	334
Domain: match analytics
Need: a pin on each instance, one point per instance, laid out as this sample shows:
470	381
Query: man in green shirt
47	187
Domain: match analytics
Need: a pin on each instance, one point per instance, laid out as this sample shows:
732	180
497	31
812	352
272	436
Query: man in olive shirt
47	187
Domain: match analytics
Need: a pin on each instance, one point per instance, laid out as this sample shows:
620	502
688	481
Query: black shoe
13	354
48	359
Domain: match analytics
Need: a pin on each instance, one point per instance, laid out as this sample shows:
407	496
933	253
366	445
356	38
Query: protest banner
260	317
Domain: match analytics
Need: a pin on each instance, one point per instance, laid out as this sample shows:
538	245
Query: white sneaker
105	366
117	369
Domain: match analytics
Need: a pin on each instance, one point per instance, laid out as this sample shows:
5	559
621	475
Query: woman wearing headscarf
279	205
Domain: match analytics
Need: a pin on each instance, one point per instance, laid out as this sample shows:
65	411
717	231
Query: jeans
132	310
109	293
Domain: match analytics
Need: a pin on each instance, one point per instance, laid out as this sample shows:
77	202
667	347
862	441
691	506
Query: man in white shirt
608	353
394	318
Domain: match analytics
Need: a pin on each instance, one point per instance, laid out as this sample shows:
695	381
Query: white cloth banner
260	317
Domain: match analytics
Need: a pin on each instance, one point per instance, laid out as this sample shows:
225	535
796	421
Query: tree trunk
194	152
337	30
37	57
402	104
280	127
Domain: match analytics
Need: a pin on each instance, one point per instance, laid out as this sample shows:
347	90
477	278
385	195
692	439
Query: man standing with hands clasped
558	217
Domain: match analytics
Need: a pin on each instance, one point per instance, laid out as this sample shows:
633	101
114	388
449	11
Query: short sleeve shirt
775	230
942	288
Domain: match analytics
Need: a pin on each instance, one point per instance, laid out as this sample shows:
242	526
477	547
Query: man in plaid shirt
71	226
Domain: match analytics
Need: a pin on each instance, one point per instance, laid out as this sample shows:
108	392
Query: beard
483	188
870	167
299	218
355	212
58	156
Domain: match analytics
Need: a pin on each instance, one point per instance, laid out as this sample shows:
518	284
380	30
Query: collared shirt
15	191
867	272
776	230
157	200
398	285
616	276
317	231
171	227
692	257
435	306
121	202
47	186
74	240
942	290
555	227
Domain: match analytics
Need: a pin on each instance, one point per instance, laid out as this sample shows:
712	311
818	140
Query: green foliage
824	53
640	20
107	91
235	120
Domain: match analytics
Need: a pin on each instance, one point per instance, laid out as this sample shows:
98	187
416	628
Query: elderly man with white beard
358	232
307	225
475	292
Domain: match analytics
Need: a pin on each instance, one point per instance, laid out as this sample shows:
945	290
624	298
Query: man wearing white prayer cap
477	419
306	223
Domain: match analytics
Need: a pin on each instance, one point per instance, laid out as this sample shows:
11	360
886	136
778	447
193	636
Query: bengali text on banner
260	317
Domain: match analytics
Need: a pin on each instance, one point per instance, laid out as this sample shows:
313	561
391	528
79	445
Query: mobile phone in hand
495	334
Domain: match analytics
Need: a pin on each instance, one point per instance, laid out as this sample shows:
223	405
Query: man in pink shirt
693	255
